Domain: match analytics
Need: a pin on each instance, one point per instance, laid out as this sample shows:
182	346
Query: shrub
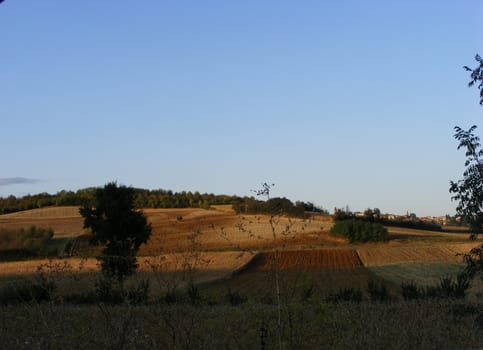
83	297
235	298
139	294
194	294
410	291
448	288
348	294
360	231
25	292
107	293
173	296
308	293
378	291
111	291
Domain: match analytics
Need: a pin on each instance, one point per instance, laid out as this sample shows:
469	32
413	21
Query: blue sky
338	103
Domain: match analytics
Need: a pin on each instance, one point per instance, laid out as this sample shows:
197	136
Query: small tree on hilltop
116	224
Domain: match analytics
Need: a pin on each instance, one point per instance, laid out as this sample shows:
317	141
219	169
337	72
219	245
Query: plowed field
322	271
303	260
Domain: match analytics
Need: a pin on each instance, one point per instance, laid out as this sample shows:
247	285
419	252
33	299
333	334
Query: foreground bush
360	231
348	294
429	324
447	288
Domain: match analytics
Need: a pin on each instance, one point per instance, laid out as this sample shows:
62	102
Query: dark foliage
348	294
13	204
410	291
378	291
447	288
309	206
474	261
235	298
23	293
116	224
372	216
476	76
194	294
142	199
272	206
146	199
360	231
341	215
469	191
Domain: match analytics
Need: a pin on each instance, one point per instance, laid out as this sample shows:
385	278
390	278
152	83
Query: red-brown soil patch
303	260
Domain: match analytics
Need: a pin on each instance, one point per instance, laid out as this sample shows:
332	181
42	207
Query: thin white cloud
16	180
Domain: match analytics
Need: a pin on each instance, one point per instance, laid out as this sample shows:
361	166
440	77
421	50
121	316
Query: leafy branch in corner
477	76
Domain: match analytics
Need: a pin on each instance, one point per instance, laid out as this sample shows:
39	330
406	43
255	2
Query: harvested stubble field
65	221
378	255
221	229
408	234
422	274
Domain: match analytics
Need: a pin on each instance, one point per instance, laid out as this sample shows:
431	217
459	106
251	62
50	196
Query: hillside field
223	251
212	284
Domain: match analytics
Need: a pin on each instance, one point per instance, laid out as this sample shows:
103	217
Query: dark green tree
469	191
476	76
116	224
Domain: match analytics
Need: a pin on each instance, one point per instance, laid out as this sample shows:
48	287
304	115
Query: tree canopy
115	223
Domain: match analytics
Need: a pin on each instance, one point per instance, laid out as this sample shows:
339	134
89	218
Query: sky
341	103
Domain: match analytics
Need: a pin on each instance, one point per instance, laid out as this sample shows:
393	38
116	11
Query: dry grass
45	213
75	274
422	274
403	325
260	285
405	234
